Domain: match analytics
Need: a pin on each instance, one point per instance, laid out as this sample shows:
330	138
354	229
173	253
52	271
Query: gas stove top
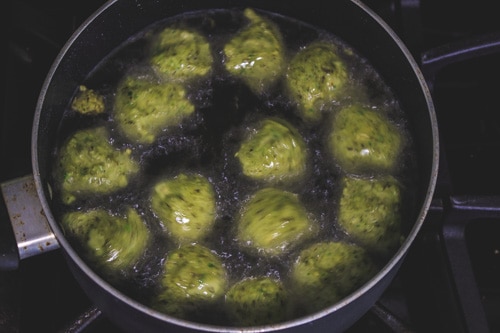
450	281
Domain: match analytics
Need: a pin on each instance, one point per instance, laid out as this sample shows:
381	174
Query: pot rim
375	280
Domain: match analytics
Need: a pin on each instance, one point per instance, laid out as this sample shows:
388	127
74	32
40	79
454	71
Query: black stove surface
450	281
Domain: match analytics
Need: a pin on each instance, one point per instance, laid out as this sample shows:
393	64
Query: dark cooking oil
206	142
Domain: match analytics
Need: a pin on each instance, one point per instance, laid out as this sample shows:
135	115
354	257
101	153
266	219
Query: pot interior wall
113	25
118	20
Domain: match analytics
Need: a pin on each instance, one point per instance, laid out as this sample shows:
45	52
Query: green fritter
273	151
144	108
256	53
89	164
316	77
273	222
258	301
186	205
326	272
194	277
111	241
369	212
364	140
88	101
181	54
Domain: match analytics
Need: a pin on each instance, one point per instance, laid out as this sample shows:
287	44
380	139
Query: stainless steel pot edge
298	323
403	250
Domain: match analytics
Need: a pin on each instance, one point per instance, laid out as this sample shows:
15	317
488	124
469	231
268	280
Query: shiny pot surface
352	21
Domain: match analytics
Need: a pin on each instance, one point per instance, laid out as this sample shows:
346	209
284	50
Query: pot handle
31	229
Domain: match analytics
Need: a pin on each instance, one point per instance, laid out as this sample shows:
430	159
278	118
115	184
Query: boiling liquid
207	141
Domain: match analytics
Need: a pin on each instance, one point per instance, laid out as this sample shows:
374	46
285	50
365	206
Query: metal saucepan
116	21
